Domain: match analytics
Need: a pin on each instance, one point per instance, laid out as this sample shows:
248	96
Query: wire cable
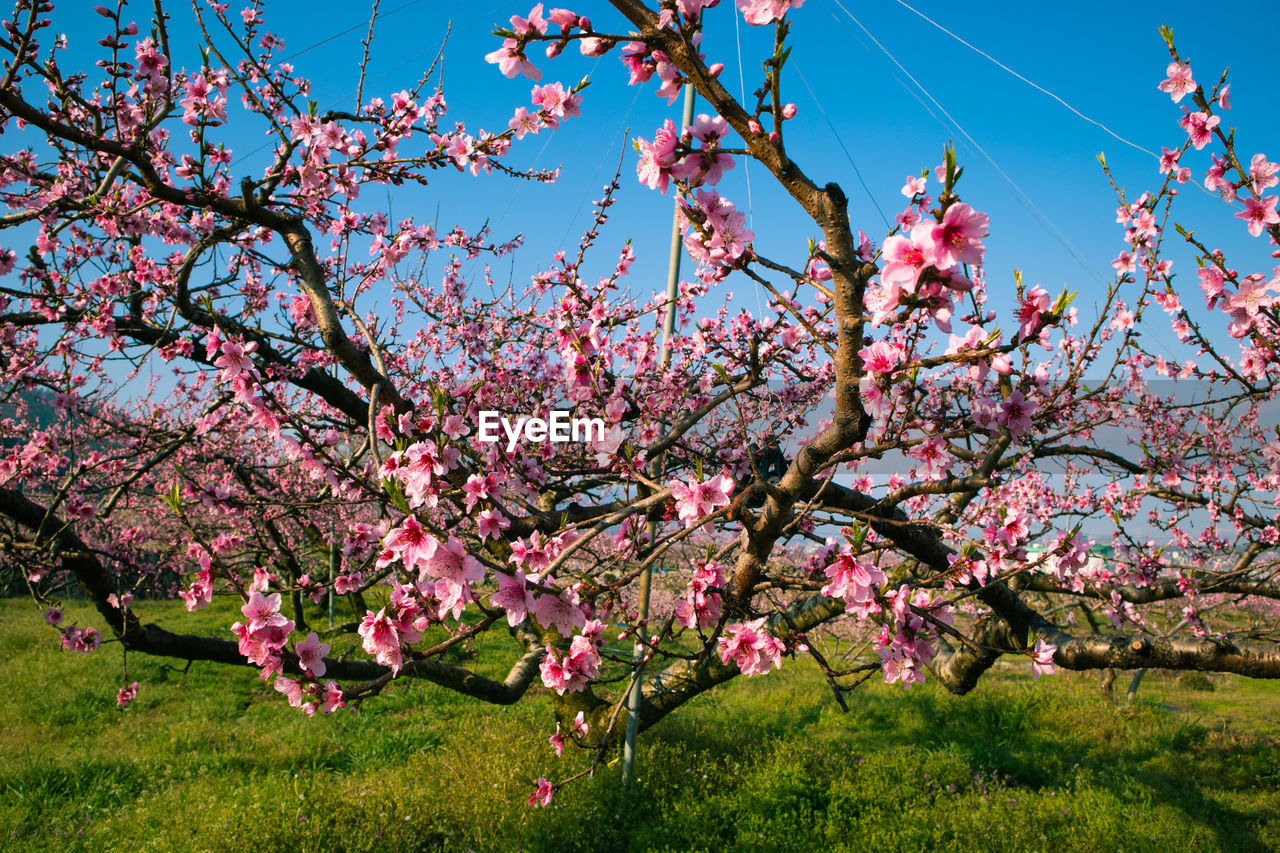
1030	83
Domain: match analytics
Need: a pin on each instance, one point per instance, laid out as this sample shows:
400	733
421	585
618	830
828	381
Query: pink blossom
701	604
881	357
311	654
1042	658
511	60
1032	304
751	647
696	500
542	794
512	596
852	579
1015	414
1178	81
1259	213
126	695
758	13
905	258
958	238
381	639
559	611
1263	173
411	543
1199	127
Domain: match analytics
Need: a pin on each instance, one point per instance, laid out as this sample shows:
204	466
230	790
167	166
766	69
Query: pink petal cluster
381	638
905	648
1042	658
715	230
1178	81
700	607
80	640
580	663
695	500
854	581
751	647
759	13
264	632
126	695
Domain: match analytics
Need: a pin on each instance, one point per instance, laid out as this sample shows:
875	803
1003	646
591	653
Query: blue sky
1104	58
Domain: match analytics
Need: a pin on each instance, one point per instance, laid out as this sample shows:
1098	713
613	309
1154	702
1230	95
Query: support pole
664	357
334	558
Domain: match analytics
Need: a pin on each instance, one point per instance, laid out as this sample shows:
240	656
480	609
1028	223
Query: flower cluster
751	647
579	664
700	607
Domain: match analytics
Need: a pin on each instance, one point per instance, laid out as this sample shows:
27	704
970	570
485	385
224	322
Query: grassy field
213	760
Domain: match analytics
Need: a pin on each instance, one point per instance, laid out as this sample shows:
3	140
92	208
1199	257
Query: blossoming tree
315	434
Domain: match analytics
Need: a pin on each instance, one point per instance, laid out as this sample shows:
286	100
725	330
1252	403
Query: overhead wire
840	142
1022	197
1030	83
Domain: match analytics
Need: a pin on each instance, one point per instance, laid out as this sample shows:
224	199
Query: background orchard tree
316	430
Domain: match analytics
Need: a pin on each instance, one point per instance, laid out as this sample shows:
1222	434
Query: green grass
214	760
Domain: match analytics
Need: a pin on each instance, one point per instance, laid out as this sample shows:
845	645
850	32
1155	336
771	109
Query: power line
1023	198
840	142
1030	83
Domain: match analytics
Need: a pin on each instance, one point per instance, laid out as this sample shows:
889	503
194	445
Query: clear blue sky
1104	58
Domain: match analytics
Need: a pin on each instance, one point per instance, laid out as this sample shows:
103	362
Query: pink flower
262	611
524	122
1263	173
1015	414
559	611
1042	658
344	584
958	239
311	654
881	357
751	647
331	699
451	563
1259	214
542	794
701	604
758	13
512	596
381	639
904	258
126	695
490	524
1178	82
697	500
1199	127
657	157
412	543
852	580
511	60
1034	302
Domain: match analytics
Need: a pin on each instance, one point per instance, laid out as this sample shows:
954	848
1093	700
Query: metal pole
664	356
333	564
